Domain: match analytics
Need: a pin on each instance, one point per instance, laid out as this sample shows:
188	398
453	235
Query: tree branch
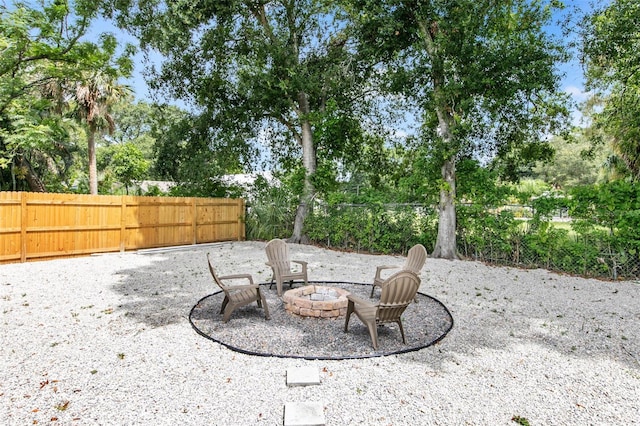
257	10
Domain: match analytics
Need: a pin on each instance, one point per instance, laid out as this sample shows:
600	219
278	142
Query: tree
183	154
135	121
482	71
256	69
41	47
93	98
171	129
26	143
610	47
128	164
573	164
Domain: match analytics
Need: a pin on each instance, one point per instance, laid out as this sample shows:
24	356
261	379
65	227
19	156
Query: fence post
194	221
23	226
241	220
123	222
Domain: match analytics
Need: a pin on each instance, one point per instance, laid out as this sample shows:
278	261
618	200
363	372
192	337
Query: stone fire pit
316	301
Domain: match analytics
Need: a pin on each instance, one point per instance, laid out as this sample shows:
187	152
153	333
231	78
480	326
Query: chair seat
239	296
366	313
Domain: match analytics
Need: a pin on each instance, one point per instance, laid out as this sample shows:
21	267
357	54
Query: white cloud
578	94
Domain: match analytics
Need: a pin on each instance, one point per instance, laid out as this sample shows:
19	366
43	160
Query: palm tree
94	97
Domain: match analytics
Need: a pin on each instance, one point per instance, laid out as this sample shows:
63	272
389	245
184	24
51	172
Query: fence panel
37	226
67	225
217	219
157	221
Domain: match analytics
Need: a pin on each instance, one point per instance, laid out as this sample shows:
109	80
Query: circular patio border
250	325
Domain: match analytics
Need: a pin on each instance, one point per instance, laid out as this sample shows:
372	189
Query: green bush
602	240
375	228
270	212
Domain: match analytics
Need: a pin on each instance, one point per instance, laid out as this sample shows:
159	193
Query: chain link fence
573	257
510	235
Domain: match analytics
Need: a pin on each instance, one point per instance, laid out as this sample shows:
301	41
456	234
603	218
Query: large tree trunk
446	241
309	163
93	168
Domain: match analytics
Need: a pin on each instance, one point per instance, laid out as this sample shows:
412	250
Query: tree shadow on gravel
162	293
498	307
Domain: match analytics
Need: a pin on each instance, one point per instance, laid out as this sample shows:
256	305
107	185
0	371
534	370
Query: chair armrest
359	301
301	263
380	268
271	265
238	276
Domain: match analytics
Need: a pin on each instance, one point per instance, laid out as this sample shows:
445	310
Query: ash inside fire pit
316	301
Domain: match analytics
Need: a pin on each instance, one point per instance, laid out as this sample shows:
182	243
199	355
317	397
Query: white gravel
106	340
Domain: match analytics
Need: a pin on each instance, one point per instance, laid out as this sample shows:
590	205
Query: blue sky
573	80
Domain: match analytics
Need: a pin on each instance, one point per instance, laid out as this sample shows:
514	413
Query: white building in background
163	185
244	180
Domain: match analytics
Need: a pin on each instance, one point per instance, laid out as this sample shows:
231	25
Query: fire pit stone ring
316	301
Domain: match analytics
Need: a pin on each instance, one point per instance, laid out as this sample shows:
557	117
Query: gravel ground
106	340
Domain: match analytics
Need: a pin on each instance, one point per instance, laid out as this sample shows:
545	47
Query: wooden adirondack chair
398	291
278	255
416	257
236	296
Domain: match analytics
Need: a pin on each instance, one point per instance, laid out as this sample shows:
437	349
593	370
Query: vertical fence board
10	229
36	226
23	228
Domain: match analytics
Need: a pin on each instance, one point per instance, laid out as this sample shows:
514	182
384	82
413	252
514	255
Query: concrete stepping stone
304	414
303	376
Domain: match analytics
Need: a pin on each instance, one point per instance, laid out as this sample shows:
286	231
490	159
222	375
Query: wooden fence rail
38	226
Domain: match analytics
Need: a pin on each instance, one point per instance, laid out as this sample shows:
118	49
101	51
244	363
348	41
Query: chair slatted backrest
416	257
398	291
278	255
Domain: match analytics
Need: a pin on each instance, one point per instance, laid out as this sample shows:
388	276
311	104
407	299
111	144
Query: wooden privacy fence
38	226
